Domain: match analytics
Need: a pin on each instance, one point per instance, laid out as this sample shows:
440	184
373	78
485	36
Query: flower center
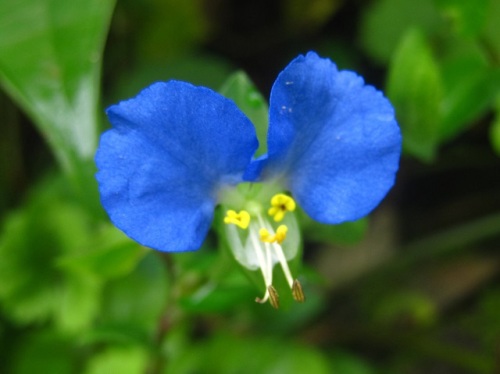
257	245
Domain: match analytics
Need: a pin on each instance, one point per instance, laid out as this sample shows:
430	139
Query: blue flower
176	151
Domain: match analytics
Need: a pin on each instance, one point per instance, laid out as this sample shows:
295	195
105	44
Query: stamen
281	233
265	243
241	219
297	293
266	236
275	241
280	204
264	299
274	298
265	264
279	237
284	263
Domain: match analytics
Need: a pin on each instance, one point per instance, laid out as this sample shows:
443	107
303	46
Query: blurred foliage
411	289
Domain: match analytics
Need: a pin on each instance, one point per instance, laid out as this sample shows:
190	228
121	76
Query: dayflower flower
176	151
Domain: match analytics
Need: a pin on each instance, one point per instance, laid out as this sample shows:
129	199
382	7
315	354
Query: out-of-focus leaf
124	360
495	128
243	92
44	352
469	89
79	302
33	288
385	22
111	254
224	354
415	88
491	32
468	16
217	298
135	302
345	363
50	55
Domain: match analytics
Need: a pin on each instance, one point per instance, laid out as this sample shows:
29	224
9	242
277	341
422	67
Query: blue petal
170	150
333	139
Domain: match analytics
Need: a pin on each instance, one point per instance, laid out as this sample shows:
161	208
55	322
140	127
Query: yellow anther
279	237
241	219
266	236
280	204
281	233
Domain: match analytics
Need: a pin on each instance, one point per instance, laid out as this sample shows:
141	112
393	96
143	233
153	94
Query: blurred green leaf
44	352
346	363
225	354
217	298
239	88
491	33
385	22
468	16
33	288
495	128
414	86
50	55
469	89
111	255
136	302
124	360
79	302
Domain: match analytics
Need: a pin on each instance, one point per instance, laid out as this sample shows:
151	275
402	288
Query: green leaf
346	363
491	33
224	354
50	54
135	302
467	16
124	360
79	302
239	88
33	288
495	128
469	90
217	298
415	88
111	255
385	22
44	352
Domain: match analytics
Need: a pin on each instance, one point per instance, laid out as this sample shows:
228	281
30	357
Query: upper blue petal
170	150
333	139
